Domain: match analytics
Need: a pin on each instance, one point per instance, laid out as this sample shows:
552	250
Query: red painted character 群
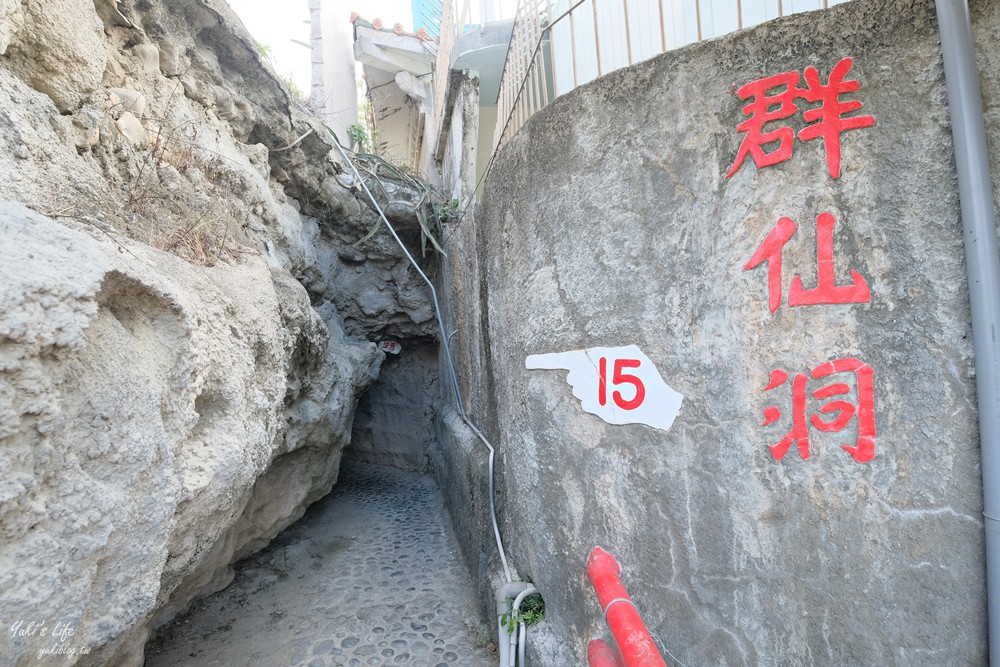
829	118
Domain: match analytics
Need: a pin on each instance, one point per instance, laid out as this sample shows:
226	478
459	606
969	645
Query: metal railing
442	66
557	45
524	86
428	15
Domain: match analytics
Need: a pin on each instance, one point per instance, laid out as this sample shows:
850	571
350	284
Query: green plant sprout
447	211
358	136
531	613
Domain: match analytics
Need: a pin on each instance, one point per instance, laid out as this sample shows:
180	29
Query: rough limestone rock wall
158	420
608	221
185	324
188	142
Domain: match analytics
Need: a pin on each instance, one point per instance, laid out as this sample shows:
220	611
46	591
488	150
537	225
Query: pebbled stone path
371	575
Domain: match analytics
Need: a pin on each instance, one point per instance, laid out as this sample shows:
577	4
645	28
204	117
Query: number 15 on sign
618	384
620	377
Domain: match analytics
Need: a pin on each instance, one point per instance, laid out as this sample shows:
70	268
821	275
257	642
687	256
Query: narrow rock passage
371	575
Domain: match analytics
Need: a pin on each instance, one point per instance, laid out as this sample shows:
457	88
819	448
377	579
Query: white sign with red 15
618	384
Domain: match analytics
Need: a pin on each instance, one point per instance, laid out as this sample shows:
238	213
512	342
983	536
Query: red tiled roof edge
397	28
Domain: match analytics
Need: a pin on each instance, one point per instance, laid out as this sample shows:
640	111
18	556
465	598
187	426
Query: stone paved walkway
372	575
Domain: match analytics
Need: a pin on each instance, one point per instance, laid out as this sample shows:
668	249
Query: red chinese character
799	434
864	448
760	114
770	252
826	290
829	116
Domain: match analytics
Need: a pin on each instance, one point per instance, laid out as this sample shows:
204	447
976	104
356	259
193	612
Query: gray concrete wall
458	164
608	221
459	461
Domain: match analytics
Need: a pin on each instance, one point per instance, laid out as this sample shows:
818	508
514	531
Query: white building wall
630	31
335	88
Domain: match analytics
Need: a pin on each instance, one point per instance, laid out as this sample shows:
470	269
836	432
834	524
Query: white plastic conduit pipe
511	642
458	395
522	629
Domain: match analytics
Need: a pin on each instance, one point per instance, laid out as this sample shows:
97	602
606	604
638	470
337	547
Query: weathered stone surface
395	419
126	99
987	43
132	129
58	46
11	20
149	55
157	420
608	220
226	127
374	570
221	436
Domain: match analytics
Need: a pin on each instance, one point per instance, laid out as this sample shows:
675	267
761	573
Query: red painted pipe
633	639
599	654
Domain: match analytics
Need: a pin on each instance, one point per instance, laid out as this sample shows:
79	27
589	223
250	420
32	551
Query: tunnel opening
394	421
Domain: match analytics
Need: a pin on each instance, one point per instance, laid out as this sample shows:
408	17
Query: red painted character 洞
827	120
840	411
